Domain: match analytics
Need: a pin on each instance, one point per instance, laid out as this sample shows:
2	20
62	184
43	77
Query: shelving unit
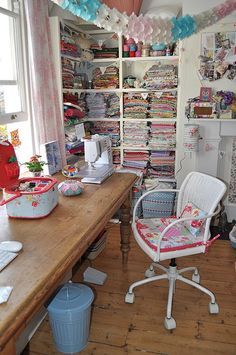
136	66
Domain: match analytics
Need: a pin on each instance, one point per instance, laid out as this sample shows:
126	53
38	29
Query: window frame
17	43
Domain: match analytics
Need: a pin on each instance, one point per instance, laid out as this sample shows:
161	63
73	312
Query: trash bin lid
72	296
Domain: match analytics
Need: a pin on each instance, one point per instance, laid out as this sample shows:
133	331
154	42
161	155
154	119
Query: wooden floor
118	328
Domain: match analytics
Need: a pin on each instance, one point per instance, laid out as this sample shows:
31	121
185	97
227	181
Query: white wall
205	160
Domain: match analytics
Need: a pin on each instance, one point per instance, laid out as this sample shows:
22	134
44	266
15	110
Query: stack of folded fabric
68	73
108	80
69	46
136	159
163	136
72	143
161	77
96	105
116	156
162	105
105	52
136	136
72	111
162	164
135	105
113	105
74	108
112	129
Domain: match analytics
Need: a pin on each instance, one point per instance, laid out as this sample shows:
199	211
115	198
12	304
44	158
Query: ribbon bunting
144	28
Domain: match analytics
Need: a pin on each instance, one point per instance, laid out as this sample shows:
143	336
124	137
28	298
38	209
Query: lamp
191	137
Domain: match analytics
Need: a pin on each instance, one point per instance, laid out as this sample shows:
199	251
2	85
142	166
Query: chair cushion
190	210
177	238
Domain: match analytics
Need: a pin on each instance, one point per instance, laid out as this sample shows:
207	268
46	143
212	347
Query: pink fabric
47	116
177	238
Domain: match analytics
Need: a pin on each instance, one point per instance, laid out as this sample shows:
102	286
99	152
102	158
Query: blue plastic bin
69	316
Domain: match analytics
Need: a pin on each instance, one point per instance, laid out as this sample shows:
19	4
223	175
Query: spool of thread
125	54
132	53
138	54
129	41
145	52
139	46
132	47
126	48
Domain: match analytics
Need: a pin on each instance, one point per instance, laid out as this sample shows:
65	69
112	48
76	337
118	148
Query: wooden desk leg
125	229
9	348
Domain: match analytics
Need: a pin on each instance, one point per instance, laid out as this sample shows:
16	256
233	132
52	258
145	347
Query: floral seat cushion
178	237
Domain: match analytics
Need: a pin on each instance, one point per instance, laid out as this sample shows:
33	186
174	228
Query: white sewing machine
98	155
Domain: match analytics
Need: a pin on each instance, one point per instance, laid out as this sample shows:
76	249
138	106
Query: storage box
32	197
97	246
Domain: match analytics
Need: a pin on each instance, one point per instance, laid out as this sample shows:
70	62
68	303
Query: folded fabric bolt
94	276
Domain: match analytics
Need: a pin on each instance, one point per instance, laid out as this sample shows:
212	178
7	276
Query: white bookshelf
136	66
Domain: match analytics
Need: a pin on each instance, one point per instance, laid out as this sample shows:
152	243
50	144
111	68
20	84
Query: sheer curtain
44	96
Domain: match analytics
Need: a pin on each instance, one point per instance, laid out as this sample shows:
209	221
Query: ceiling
163	8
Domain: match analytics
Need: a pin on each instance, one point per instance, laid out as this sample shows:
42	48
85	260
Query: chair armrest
179	220
146	194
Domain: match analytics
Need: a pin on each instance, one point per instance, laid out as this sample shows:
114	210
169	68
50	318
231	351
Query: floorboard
118	328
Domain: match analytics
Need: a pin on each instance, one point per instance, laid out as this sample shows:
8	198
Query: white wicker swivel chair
170	238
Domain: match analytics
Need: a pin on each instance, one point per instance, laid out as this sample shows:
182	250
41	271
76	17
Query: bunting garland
144	28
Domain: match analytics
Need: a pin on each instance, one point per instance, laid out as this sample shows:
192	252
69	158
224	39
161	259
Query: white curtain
44	97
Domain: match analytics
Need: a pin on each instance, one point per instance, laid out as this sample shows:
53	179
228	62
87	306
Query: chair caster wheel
169	323
149	273
129	297
213	308
196	278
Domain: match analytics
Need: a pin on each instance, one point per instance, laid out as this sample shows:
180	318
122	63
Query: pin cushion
70	187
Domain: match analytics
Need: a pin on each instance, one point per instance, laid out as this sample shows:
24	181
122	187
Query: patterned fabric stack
112	129
136	136
113	106
74	108
96	105
163	136
135	105
136	159
108	80
116	156
68	73
161	77
162	105
105	52
162	164
69	46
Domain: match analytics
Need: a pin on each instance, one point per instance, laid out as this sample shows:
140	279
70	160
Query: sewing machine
98	155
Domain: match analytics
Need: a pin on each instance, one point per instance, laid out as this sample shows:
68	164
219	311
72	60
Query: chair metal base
172	274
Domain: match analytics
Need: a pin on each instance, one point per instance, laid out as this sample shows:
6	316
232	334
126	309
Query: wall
207	159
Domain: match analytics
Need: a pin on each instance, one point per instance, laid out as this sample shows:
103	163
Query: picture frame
206	94
50	153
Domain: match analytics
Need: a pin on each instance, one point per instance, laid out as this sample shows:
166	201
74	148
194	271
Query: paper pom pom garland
144	28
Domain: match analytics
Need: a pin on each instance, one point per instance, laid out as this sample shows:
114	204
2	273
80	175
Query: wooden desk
52	245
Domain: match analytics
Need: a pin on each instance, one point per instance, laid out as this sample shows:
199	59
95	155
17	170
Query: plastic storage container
69	316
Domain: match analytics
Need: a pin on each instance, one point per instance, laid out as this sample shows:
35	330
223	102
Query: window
12	89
